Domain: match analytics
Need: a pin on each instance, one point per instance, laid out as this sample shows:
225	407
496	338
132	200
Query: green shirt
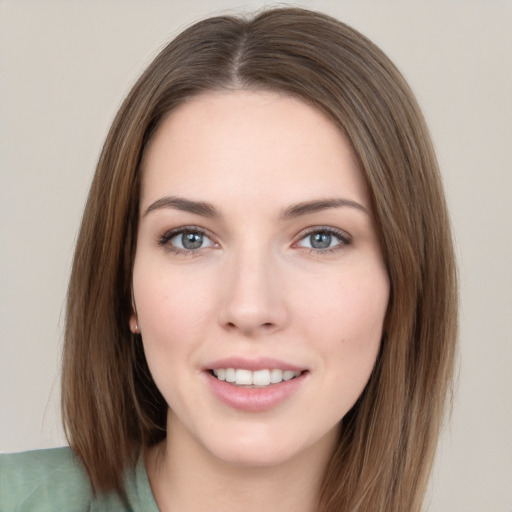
55	480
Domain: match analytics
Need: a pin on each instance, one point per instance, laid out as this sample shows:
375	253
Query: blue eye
324	239
186	240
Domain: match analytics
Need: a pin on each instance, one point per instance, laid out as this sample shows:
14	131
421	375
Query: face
259	284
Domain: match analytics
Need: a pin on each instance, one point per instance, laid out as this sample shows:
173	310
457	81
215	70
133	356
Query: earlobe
134	326
134	323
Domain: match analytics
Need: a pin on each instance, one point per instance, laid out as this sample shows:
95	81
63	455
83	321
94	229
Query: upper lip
253	364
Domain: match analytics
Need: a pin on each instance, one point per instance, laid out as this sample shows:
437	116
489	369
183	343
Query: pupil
320	240
192	240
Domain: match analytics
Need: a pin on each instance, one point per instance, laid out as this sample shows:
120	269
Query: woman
262	306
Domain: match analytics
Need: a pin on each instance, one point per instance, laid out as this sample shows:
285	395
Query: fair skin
256	251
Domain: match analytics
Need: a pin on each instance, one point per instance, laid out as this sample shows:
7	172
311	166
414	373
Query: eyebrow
205	209
309	207
186	205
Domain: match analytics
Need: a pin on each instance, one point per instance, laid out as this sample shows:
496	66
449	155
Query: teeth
276	376
242	377
288	374
261	378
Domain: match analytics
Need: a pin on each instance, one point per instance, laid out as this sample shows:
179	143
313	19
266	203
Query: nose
254	296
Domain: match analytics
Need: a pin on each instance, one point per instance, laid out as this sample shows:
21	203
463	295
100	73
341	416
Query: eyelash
165	239
343	237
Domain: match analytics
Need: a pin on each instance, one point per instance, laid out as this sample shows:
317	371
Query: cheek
171	305
172	309
344	319
349	307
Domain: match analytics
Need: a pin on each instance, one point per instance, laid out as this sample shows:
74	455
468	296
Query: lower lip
254	399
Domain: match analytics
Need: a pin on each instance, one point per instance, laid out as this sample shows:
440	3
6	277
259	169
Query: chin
255	455
271	448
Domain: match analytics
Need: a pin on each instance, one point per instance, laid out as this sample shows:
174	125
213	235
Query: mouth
254	385
240	377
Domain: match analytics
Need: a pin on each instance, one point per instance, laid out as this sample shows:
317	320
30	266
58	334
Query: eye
324	239
184	240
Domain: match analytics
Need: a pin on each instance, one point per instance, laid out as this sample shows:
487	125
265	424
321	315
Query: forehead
258	144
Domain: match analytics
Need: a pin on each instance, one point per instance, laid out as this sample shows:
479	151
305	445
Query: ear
134	323
134	326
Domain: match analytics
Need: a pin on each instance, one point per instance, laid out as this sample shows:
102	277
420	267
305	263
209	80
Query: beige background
64	68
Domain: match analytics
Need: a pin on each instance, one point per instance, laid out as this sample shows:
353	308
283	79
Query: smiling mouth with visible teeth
257	379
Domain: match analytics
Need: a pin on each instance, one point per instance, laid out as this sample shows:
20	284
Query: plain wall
65	67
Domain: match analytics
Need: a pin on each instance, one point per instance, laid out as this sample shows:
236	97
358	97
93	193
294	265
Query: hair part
111	406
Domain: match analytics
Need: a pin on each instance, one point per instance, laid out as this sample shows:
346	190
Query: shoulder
44	480
55	479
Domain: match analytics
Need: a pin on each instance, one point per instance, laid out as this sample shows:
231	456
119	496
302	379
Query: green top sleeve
55	480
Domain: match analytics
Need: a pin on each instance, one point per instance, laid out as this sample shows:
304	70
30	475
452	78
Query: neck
186	477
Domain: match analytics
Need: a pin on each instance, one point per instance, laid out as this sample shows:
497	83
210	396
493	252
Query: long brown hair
111	406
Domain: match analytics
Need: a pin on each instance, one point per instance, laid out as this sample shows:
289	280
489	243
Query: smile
258	378
254	391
